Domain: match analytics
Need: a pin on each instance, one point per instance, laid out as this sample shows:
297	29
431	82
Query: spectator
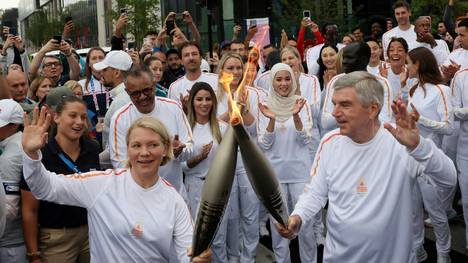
238	47
51	66
76	88
327	62
458	58
374	63
174	70
347	39
155	66
19	87
404	29
191	59
40	87
443	34
14	52
12	248
357	33
388	24
55	232
395	71
301	43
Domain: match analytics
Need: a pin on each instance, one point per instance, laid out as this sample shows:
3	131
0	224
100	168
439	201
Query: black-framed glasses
136	94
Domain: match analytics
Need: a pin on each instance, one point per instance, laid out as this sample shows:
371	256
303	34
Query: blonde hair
71	84
156	126
295	52
339	62
220	92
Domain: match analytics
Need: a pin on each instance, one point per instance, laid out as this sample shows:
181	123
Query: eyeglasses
50	64
136	94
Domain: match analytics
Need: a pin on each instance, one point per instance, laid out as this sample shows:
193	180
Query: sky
9	4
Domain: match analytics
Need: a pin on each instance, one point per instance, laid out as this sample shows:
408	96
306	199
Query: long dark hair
428	71
192	118
88	69
322	66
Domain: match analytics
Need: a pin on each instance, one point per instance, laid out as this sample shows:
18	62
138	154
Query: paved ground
458	254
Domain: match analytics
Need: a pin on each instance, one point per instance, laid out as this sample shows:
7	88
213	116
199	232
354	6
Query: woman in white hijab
285	135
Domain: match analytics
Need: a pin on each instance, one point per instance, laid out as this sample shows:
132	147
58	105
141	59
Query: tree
144	15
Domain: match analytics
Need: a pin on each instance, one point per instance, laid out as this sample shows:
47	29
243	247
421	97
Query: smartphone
123	11
306	13
253	23
170	26
13	31
68	19
58	38
131	45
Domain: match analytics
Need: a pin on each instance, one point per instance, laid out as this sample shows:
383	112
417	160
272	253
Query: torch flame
235	115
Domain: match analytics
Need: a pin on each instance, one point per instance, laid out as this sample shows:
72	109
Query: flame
247	80
235	115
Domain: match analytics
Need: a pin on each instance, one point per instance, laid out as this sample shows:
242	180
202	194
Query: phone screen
170	26
306	13
131	45
58	38
68	18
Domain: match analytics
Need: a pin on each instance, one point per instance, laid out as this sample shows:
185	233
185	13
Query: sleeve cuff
422	150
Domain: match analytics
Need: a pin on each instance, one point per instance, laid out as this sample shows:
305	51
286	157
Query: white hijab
282	106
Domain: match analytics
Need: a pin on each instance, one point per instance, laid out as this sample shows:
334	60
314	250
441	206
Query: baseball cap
204	66
10	112
117	59
55	96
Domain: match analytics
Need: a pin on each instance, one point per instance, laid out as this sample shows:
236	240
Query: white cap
117	59
205	67
10	112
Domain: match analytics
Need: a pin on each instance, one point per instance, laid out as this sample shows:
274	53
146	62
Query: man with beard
174	70
404	29
438	47
140	89
330	31
191	59
52	66
113	69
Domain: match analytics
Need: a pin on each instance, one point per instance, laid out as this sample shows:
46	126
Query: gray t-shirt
10	177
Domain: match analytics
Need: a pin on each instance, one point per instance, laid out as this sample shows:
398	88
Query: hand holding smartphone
306	14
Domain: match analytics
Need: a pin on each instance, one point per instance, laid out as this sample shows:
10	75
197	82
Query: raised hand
187	17
404	75
50	46
406	131
298	106
206	150
35	132
383	71
204	257
121	22
266	111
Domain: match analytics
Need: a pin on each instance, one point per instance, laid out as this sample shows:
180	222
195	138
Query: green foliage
40	29
435	8
143	16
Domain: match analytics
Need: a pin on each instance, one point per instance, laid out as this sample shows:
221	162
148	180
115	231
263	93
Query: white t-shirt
183	85
435	109
375	70
289	151
172	116
460	110
459	56
369	188
441	51
328	122
409	35
127	223
313	54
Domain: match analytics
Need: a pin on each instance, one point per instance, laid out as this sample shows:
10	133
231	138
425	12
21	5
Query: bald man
18	89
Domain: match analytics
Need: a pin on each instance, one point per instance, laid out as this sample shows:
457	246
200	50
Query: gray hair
368	88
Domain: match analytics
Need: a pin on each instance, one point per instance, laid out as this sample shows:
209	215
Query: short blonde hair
156	126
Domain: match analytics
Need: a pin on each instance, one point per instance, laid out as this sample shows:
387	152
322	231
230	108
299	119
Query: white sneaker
421	254
443	258
428	223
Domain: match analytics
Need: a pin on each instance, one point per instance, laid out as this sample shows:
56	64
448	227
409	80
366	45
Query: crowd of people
104	158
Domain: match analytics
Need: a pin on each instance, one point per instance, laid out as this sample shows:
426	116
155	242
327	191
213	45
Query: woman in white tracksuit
248	206
430	102
287	140
207	132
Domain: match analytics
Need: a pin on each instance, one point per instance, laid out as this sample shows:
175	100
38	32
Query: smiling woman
134	215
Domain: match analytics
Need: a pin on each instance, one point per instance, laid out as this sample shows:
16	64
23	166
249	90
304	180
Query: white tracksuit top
182	86
440	51
435	109
172	116
127	223
460	110
369	190
328	122
289	151
459	56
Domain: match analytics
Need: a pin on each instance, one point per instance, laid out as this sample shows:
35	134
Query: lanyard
69	163
95	100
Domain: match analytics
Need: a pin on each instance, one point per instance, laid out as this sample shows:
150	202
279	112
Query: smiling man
369	191
404	29
139	87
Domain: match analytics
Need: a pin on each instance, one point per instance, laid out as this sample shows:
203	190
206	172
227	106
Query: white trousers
463	182
307	242
431	200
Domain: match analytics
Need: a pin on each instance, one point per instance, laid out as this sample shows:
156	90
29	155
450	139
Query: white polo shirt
183	85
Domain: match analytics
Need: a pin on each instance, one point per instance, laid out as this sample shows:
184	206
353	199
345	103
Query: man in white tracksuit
368	189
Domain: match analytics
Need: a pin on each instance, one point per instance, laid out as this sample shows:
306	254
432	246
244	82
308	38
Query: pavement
458	254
